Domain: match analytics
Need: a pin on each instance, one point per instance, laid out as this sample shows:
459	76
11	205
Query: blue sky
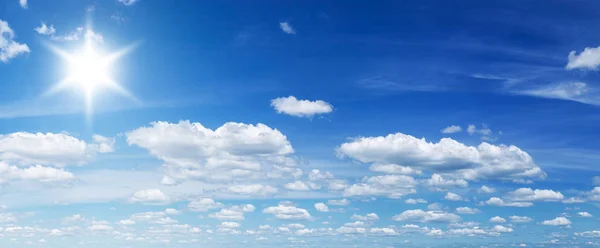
299	124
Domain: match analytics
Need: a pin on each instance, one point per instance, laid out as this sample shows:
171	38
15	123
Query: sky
138	123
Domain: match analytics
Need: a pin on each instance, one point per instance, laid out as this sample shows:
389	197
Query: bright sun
89	71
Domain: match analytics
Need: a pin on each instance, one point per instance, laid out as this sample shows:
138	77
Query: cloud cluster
9	48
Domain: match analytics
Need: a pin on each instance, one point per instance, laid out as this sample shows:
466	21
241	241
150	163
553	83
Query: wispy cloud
128	2
572	91
287	28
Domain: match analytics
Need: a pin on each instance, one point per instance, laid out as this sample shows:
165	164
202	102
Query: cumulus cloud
321	207
51	149
589	234
287	28
415	201
38	173
203	205
467	210
300	108
497	219
452	129
485	161
297	186
502	229
44	29
394	169
520	219
527	194
23	4
588	59
418	215
340	202
558	221
366	217
232	152
253	190
9	48
585	214
486	190
150	197
453	197
286	212
392	186
438	182
495	201
228	214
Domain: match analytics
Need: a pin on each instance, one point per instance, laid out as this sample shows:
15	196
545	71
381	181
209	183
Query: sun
88	70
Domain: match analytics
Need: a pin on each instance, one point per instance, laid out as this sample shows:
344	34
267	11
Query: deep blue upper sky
373	84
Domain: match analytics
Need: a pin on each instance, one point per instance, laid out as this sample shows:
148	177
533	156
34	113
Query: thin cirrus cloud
287	28
301	108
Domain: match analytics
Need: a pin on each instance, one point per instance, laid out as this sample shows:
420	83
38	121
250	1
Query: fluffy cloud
486	190
558	221
585	214
438	182
287	28
502	229
150	197
415	201
594	194
228	214
234	151
589	234
394	169
286	212
44	29
300	108
588	59
23	4
321	207
392	186
9	48
37	173
203	205
527	194
453	197
520	219
419	215
366	217
447	156
51	149
253	190
467	210
451	129
497	219
340	202
228	224
495	201
152	217
297	186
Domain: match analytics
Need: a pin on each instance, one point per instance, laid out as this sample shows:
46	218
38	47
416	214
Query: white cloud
502	229
558	221
228	214
351	230
573	200
285	212
572	91
485	161
203	205
466	231
23	4
297	186
382	231
228	224
452	129
484	130
527	194
366	217
438	182
9	48
394	169
585	214
172	211
287	28
100	228
234	151
51	149
127	222
253	190
497	219
453	197
340	202
588	59
495	201
153	218
392	186
520	219
594	194
300	108
321	207
589	234
419	215
150	197
74	218
467	210
415	201
486	189
128	2
37	173
43	29
596	181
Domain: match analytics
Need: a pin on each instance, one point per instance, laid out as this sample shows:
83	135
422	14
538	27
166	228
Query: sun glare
89	71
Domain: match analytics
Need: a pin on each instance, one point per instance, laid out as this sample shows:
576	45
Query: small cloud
287	28
9	48
558	221
452	129
300	108
589	59
23	4
128	2
45	30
